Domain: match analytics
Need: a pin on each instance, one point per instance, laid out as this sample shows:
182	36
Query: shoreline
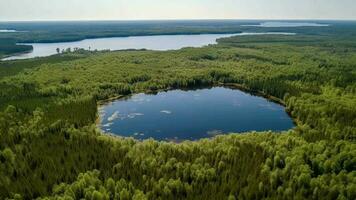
233	86
227	34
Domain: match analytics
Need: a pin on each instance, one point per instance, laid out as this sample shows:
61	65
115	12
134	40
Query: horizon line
202	19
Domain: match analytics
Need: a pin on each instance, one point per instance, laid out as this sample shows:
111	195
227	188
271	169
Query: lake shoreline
233	86
158	42
125	36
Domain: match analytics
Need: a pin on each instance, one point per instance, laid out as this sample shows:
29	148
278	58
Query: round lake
191	115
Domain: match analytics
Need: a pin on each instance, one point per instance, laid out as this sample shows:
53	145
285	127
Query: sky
28	10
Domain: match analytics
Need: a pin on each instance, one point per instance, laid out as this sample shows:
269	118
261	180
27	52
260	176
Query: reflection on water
191	115
9	31
286	24
159	42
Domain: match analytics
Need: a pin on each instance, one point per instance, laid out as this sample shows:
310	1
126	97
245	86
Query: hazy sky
175	9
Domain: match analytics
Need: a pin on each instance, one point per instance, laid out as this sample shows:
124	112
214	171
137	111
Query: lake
159	42
9	31
190	115
286	24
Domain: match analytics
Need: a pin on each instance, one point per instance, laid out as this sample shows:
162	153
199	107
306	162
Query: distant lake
8	31
286	24
191	115
159	42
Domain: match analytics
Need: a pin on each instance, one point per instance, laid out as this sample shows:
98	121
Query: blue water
191	115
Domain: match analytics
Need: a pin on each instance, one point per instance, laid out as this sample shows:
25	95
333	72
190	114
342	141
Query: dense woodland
31	32
50	147
8	46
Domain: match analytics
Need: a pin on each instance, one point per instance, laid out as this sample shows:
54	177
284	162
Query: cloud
133	115
114	116
268	106
214	132
175	9
166	112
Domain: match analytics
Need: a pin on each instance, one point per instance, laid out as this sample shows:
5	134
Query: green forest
51	148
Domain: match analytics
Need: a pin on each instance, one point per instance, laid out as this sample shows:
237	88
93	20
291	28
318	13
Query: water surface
159	42
8	31
287	24
190	115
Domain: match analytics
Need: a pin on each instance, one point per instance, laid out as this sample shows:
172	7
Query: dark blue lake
191	115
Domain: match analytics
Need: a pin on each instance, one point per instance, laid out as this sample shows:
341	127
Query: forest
51	148
49	32
8	46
